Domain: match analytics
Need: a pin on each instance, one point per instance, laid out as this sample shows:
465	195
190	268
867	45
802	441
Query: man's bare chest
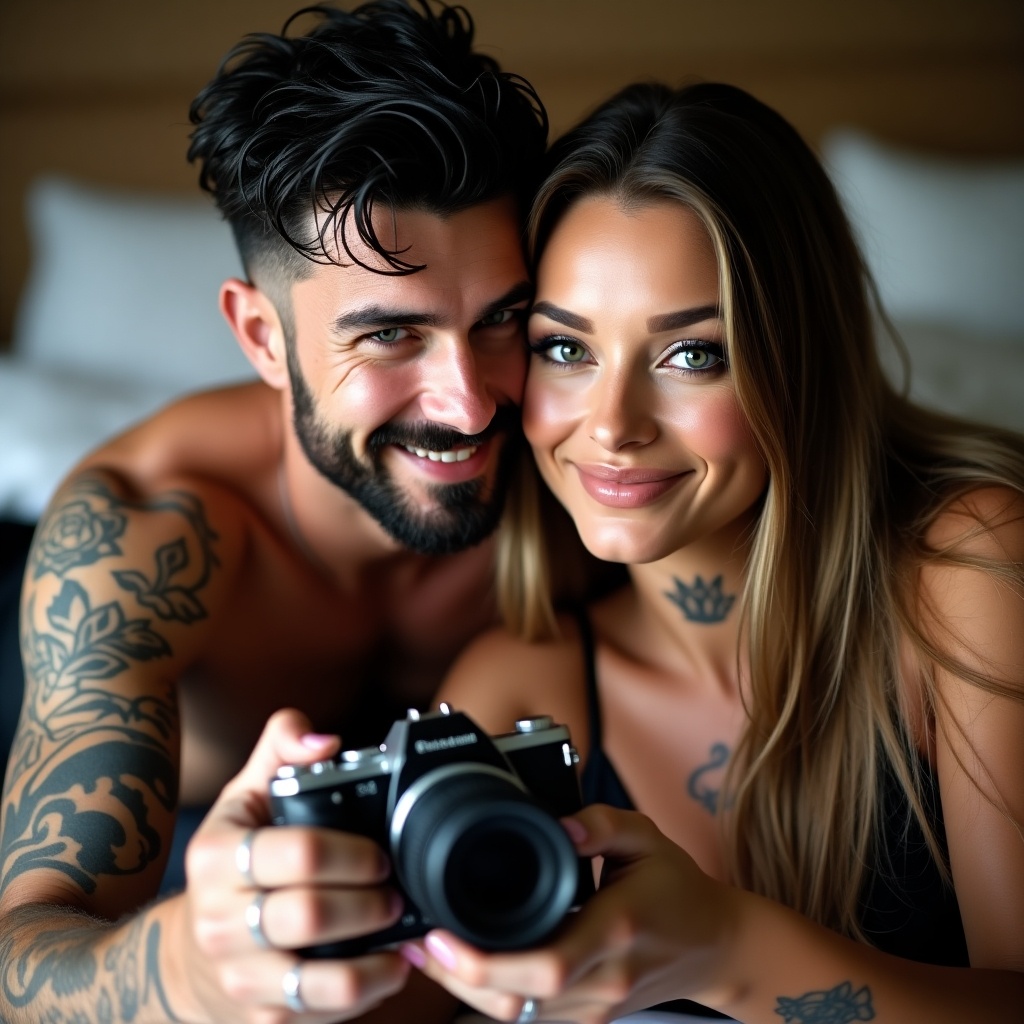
351	661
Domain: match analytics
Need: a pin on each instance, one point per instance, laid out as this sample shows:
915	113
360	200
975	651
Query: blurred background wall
99	89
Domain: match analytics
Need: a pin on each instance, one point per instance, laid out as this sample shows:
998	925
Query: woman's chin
623	545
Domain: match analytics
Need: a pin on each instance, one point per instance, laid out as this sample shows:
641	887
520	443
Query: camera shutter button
536	724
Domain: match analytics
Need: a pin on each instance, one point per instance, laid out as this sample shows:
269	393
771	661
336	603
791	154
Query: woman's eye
502	316
703	357
389	335
565	352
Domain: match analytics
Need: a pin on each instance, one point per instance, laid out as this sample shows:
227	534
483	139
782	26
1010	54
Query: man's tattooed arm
116	590
64	968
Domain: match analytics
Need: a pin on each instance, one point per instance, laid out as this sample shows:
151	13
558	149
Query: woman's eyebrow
563	316
682	318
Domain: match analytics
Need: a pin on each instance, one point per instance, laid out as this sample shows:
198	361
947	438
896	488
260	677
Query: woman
812	688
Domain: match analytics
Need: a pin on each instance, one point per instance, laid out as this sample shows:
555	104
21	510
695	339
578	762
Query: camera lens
480	857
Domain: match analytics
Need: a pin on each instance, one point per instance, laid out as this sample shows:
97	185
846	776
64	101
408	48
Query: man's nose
455	391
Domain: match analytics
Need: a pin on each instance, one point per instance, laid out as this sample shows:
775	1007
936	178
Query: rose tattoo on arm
86	731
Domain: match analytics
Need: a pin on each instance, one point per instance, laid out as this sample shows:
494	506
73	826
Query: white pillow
49	419
126	285
977	376
944	238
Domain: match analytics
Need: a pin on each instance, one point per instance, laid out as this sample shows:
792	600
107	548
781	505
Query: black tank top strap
600	783
590	669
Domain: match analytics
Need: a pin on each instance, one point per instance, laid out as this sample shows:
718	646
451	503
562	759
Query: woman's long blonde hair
857	474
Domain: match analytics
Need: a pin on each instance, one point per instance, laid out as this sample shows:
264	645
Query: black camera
470	823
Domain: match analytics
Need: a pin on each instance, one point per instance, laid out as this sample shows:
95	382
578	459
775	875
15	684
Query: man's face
406	389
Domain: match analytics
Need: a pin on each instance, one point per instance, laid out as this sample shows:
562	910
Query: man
316	541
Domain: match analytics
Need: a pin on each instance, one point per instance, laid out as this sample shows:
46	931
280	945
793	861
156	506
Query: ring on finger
254	921
290	986
243	858
528	1014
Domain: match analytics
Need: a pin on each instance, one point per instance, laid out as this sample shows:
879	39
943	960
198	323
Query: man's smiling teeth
452	455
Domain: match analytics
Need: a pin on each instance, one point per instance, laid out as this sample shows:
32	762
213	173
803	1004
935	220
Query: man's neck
329	528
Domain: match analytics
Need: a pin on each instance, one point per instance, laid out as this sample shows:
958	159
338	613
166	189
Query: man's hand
257	893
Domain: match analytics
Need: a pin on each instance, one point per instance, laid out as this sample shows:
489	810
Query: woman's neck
689	604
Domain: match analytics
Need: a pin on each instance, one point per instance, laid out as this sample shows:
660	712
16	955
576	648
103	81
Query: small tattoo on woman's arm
701	602
840	1005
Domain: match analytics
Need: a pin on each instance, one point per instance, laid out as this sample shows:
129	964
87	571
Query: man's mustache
436	438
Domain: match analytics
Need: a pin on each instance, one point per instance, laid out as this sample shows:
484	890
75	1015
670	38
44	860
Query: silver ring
290	985
243	858
254	921
528	1014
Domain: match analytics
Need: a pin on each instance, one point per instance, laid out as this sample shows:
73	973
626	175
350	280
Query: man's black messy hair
385	104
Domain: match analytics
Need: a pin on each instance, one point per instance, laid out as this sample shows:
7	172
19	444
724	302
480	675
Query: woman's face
630	406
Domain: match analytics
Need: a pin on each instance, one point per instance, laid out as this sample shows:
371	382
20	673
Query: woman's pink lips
626	488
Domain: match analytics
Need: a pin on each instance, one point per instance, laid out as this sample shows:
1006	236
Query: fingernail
396	904
441	951
414	955
316	740
577	833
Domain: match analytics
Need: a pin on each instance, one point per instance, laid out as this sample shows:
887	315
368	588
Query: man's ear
254	320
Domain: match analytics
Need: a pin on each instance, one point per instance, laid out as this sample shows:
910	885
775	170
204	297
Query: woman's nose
622	412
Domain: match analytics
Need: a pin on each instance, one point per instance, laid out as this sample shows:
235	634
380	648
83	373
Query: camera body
469	821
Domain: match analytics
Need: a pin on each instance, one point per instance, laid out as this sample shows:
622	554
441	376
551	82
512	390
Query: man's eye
502	316
388	335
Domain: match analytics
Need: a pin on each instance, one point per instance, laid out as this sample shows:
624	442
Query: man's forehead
473	262
416	235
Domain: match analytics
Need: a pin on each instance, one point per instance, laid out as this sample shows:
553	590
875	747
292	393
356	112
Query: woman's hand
256	893
650	934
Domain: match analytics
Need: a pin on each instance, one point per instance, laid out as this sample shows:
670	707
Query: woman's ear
254	320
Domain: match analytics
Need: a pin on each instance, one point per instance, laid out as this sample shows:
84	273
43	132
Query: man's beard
464	514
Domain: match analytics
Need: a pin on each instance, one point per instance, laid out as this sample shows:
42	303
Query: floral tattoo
75	534
840	1005
82	733
93	776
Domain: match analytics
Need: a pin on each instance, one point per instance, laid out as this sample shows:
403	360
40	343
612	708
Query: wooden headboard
100	90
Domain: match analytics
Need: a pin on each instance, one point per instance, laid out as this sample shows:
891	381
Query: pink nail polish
414	955
441	951
315	740
577	833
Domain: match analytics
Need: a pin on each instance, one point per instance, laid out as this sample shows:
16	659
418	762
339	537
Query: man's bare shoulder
178	493
232	435
109	551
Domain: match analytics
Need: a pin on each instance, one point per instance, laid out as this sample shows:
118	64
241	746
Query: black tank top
907	908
